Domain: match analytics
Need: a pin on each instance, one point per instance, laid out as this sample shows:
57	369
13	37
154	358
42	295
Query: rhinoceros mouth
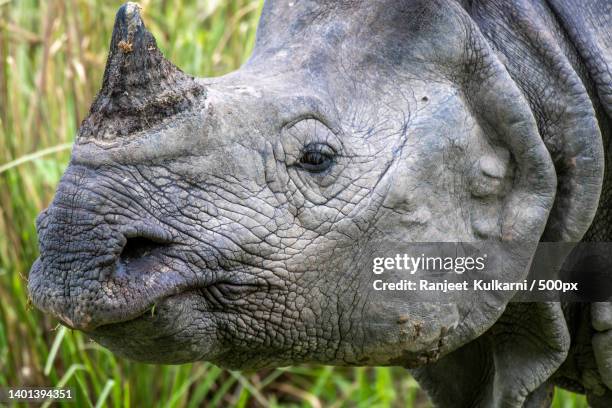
152	323
161	316
170	332
117	286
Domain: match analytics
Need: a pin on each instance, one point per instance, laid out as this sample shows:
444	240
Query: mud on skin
227	219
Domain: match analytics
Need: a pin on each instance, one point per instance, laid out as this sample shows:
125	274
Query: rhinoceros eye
317	157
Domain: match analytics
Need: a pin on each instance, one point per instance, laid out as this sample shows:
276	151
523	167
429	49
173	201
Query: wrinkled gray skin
439	120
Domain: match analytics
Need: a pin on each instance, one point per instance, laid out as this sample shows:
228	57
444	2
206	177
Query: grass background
52	56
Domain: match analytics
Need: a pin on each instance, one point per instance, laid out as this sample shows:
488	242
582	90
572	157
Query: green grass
52	56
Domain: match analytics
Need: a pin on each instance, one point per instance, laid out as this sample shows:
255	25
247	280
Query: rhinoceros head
229	219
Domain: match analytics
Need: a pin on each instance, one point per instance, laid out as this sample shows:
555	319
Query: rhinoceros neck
485	373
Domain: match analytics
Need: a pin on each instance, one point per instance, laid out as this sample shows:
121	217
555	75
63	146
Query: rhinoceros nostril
138	247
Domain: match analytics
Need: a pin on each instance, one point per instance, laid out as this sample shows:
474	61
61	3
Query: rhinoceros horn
140	87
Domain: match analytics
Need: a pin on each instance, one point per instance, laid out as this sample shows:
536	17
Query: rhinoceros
238	207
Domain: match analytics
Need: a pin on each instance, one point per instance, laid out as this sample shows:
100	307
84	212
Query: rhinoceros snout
98	267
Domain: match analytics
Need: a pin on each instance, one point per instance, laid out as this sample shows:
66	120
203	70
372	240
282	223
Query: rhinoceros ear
140	87
502	109
541	66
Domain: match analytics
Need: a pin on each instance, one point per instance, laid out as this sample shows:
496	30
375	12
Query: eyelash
317	157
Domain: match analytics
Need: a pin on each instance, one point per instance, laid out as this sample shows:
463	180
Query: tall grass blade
33	156
54	349
105	391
